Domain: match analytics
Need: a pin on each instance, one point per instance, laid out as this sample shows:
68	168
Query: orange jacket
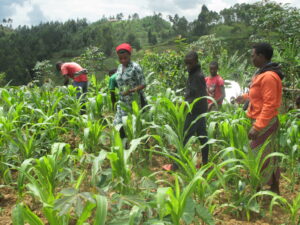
265	98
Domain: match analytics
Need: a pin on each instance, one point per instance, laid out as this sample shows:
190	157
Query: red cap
124	46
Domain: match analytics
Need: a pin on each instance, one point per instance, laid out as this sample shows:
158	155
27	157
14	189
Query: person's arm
270	91
222	95
135	89
112	87
200	87
65	72
66	81
242	98
221	84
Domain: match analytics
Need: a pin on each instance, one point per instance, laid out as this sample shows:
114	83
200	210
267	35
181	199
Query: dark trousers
198	128
82	88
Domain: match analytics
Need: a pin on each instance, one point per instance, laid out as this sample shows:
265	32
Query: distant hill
237	27
21	48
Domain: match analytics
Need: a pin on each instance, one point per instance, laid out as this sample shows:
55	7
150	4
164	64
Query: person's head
112	72
124	53
213	68
261	54
298	102
191	60
58	65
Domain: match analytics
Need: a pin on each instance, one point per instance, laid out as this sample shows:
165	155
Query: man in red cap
130	81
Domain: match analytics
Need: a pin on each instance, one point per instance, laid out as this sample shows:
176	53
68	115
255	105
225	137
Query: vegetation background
236	28
59	167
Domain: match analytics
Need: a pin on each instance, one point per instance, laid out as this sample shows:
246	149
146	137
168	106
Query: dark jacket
195	88
275	67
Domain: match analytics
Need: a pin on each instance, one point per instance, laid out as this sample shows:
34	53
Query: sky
32	12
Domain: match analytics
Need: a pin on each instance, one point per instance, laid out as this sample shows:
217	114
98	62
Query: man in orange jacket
265	98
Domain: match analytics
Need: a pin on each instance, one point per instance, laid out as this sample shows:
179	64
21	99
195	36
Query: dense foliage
66	168
238	26
76	169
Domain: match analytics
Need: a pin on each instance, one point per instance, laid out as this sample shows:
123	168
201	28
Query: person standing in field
215	86
130	80
72	70
265	95
112	86
195	88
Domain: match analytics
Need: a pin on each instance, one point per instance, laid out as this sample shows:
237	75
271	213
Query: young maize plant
179	204
94	136
291	207
97	178
289	142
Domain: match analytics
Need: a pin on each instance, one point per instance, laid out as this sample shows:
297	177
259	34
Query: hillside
236	27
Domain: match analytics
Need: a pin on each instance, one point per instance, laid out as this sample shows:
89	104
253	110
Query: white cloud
93	10
20	17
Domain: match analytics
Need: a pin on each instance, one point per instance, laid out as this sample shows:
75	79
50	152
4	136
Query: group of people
264	98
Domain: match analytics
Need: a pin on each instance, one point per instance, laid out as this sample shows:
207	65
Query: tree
152	38
205	19
119	16
107	41
131	39
91	59
135	16
179	24
42	71
2	79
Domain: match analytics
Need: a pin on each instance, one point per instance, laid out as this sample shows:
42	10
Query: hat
124	46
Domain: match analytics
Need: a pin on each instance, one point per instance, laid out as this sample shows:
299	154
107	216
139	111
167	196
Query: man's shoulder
269	75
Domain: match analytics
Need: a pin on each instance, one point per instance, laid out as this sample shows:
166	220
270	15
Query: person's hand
126	93
210	105
240	100
66	82
253	133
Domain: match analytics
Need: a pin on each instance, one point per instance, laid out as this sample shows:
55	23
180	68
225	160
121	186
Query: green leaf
101	210
31	217
205	215
133	214
63	205
69	191
86	213
17	215
189	211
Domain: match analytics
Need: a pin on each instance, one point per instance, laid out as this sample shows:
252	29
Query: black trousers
198	128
